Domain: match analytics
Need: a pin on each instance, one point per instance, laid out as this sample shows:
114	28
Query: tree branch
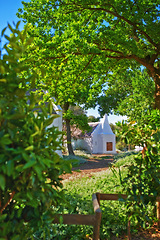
116	14
108	49
85	66
8	202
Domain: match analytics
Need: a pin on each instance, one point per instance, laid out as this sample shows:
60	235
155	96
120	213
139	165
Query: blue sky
8	10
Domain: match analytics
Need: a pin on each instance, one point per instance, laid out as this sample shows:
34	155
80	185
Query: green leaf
18	116
10	167
2	69
2	33
49	121
3	80
5	141
30	164
17	24
2	182
8	38
25	156
2	218
10	27
38	170
30	148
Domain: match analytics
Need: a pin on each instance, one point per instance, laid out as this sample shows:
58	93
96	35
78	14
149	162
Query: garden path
96	164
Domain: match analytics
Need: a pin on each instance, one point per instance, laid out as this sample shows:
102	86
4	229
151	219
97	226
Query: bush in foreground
29	167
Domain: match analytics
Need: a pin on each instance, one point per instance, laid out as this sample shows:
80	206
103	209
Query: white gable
103	127
103	139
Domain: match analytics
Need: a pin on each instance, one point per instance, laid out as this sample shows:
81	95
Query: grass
75	160
79	201
114	219
79	197
124	159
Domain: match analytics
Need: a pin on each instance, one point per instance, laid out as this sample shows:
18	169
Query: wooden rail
115	197
95	219
81	219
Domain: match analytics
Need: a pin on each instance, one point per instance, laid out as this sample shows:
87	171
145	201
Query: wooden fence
115	197
95	219
81	219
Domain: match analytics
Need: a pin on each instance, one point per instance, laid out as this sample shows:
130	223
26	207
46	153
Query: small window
109	146
95	143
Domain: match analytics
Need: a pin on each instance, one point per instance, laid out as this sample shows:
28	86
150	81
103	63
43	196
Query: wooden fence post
95	220
98	198
98	216
158	213
96	227
129	229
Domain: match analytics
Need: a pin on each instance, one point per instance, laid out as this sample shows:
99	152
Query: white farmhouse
57	122
101	140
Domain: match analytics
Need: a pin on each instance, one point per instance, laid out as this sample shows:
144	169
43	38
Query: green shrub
142	182
124	159
121	146
74	160
29	167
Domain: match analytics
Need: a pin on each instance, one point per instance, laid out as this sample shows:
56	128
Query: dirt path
91	166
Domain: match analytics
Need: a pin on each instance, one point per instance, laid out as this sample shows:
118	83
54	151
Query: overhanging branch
114	13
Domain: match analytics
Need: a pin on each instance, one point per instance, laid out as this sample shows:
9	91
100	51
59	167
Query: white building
57	122
101	140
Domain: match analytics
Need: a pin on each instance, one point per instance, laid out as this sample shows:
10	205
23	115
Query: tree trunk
156	78
69	145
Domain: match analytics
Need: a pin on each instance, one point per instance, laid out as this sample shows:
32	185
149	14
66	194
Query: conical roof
103	127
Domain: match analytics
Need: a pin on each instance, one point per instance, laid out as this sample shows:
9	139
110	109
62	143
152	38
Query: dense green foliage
142	182
132	98
82	44
29	166
89	39
89	43
93	119
123	137
77	117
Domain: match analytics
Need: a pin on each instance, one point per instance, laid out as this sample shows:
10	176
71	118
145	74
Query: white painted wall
96	144
83	144
101	135
57	122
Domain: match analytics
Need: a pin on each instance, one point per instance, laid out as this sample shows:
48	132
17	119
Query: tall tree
109	32
92	118
131	98
65	77
68	91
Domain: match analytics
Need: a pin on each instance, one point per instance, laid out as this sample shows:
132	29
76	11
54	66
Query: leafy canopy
128	93
98	36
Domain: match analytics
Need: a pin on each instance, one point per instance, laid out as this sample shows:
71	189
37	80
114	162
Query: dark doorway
109	146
